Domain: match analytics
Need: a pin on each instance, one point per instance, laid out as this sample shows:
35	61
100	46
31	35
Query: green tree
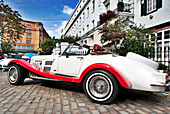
69	39
134	37
48	45
6	47
10	23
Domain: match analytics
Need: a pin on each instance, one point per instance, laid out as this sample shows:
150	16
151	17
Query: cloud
55	25
68	10
63	24
57	31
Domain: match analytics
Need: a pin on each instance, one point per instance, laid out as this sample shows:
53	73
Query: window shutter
158	4
143	8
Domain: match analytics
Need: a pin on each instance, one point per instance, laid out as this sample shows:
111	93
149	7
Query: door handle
80	58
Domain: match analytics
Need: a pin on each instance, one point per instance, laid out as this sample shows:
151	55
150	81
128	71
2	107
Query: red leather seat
98	48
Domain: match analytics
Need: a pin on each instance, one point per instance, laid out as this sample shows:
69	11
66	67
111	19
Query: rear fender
120	77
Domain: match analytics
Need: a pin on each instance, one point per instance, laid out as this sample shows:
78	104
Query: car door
70	63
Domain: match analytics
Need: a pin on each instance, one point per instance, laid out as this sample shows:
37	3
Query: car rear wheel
16	74
101	86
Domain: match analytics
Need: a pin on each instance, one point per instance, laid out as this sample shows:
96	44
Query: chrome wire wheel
16	74
13	74
99	87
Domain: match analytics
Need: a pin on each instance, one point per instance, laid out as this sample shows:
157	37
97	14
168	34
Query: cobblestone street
64	97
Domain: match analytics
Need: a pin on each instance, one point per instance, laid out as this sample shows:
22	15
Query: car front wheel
101	86
16	74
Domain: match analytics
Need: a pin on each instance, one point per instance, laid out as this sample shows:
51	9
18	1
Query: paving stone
66	108
84	109
22	109
91	107
140	111
40	110
95	112
101	109
76	112
65	102
49	111
85	113
15	106
3	111
81	104
160	108
123	112
58	107
73	105
157	111
130	111
30	111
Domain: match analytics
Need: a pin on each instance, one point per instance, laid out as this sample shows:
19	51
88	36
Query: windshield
77	49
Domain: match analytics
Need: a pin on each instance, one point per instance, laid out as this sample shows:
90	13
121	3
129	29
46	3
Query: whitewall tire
101	86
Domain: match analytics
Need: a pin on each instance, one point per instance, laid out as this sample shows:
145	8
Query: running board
35	76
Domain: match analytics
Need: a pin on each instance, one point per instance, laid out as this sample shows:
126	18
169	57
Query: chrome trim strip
160	85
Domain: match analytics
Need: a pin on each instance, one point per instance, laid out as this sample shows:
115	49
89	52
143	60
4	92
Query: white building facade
151	13
85	19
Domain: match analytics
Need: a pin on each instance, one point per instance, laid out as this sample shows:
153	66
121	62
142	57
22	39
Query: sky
54	14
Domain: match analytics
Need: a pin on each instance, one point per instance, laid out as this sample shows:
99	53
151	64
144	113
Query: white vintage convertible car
102	75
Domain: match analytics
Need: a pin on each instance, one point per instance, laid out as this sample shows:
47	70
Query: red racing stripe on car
122	79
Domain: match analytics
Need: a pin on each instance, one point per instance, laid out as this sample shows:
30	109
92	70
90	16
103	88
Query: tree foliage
6	47
133	37
48	45
70	39
10	23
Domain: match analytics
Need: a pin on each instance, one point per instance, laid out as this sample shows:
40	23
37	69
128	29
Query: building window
18	47
93	4
83	17
28	36
87	28
93	23
28	42
108	6
159	36
28	26
18	41
80	33
80	20
87	12
151	5
28	31
83	31
28	48
167	34
25	47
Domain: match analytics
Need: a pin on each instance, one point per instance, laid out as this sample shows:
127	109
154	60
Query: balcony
124	7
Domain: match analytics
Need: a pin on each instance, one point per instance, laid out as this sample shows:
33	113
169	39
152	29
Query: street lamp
39	26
